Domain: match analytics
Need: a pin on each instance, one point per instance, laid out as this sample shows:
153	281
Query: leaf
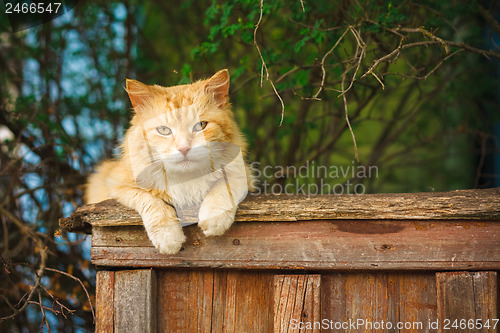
231	29
214	30
300	44
186	71
237	72
247	36
211	12
302	77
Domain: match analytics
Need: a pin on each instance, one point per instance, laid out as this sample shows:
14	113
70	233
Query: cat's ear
218	85
138	92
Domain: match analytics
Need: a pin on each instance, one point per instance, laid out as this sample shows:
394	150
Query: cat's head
185	128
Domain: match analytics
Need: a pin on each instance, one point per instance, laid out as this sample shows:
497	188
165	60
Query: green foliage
293	43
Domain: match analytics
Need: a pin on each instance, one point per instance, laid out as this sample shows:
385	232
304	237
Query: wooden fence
425	262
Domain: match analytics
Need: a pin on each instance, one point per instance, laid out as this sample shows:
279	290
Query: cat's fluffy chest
188	191
180	188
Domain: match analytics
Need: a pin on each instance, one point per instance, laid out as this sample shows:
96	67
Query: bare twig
446	43
428	73
485	53
61	306
434	40
360	46
6	300
393	53
356	155
293	70
429	34
489	18
264	66
44	317
302	4
80	282
314	27
322	64
54	311
39	274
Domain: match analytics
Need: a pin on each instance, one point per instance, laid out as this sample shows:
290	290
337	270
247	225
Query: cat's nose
184	150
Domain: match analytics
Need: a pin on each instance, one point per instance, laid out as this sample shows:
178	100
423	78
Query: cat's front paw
215	222
168	239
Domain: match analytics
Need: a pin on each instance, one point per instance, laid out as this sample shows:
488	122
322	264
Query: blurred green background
426	116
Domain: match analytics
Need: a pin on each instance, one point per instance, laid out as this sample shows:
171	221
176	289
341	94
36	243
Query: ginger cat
183	149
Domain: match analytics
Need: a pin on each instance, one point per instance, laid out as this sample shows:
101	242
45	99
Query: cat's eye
164	130
200	126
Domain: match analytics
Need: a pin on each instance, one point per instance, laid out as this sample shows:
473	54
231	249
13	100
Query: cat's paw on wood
215	222
168	239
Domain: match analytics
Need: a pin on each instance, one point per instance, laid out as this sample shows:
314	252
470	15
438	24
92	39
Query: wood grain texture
184	301
214	301
467	296
135	301
105	311
417	301
297	303
324	245
253	301
463	204
366	299
373	298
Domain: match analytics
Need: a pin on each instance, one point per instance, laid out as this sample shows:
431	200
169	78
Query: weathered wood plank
462	204
214	301
466	297
205	301
253	301
105	282
333	245
131	236
283	306
183	297
219	301
378	302
486	297
230	311
333	299
173	307
298	309
366	299
297	303
135	301
417	301
312	301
